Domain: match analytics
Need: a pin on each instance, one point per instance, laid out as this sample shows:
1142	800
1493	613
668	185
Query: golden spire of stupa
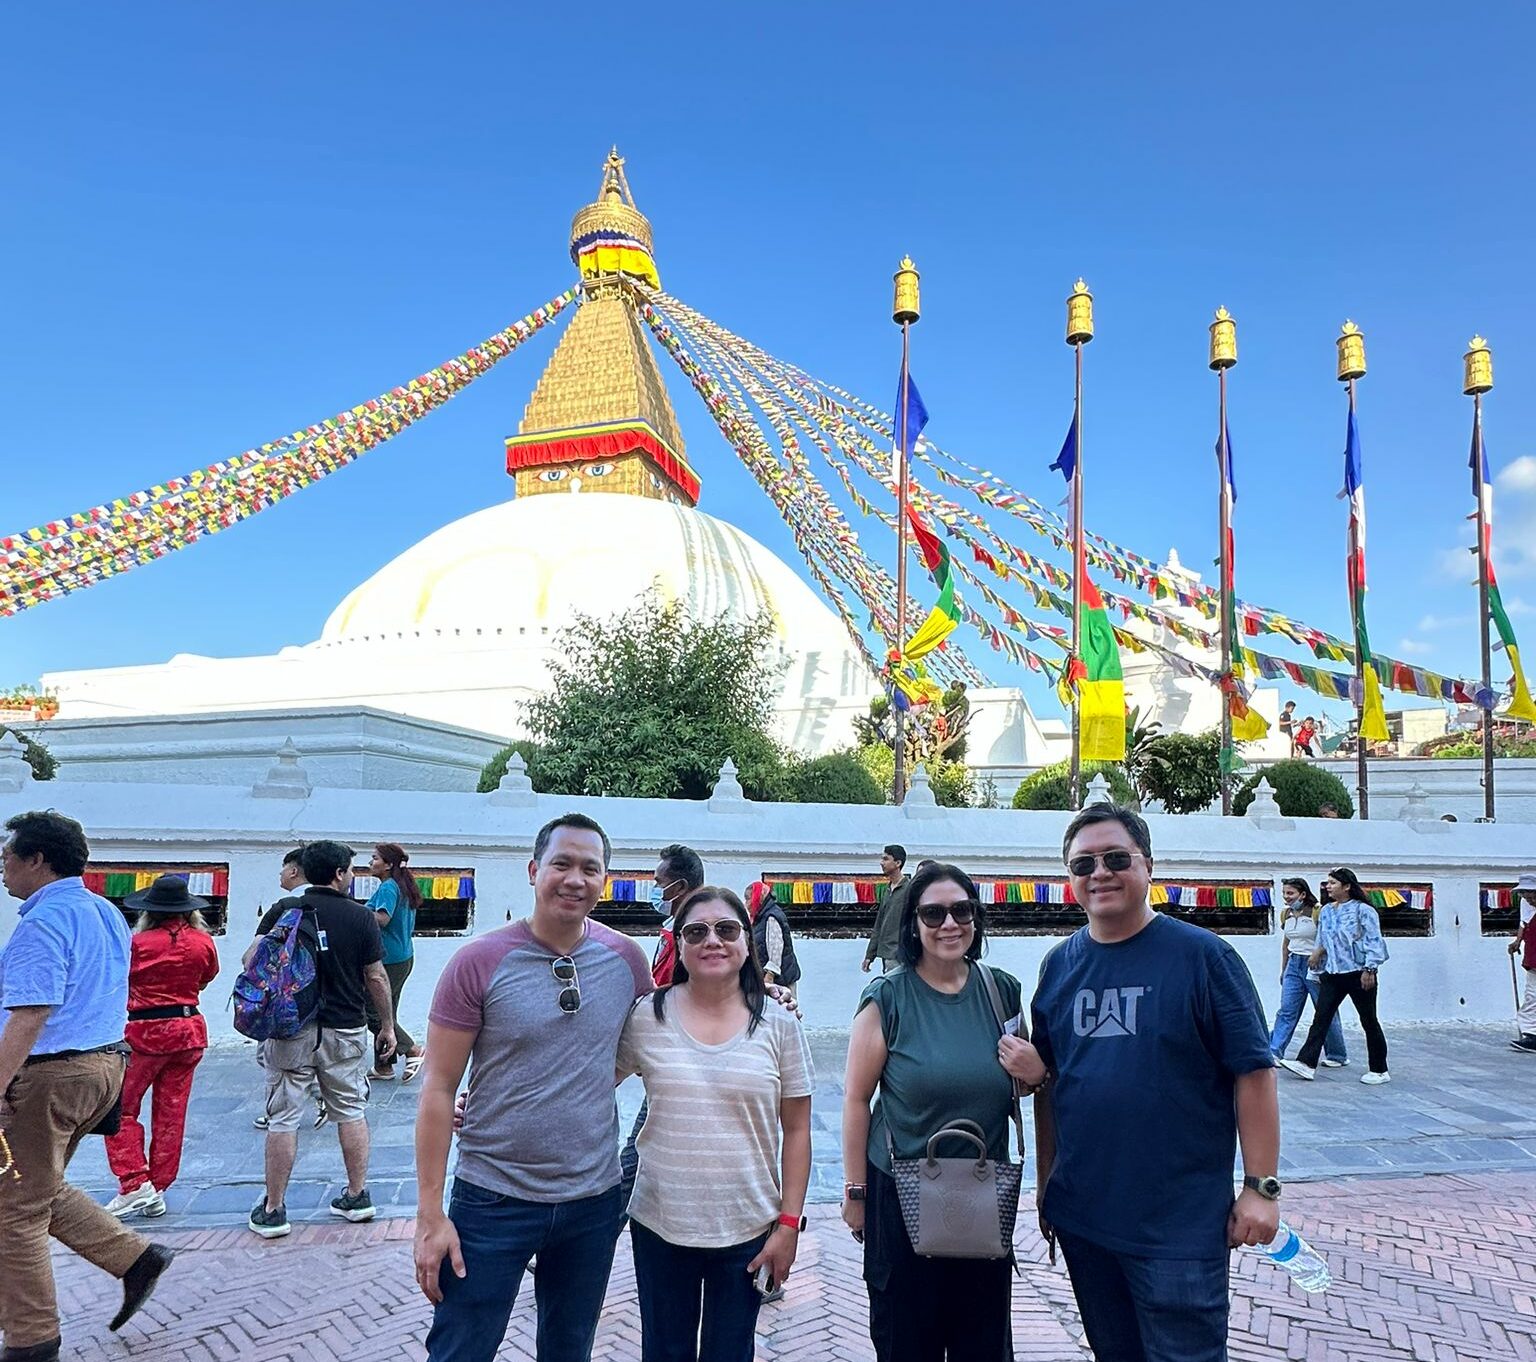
600	419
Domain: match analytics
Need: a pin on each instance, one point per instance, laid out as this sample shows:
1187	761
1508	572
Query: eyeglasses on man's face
1115	860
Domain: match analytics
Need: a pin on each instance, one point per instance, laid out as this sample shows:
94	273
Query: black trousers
930	1309
1332	989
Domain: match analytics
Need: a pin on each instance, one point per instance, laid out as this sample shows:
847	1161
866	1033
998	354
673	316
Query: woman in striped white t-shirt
725	1156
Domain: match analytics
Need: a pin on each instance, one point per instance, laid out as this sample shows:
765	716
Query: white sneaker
1335	1063
156	1208
1374	1079
1296	1067
125	1204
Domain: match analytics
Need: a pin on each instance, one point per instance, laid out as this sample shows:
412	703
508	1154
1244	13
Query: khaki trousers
51	1107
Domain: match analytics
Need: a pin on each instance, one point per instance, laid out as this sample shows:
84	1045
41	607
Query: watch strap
793	1222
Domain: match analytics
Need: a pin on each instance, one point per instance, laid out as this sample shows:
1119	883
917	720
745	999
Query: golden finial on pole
1351	343
1479	367
1223	340
906	308
1080	315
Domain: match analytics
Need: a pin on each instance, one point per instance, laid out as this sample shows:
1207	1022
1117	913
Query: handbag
961	1207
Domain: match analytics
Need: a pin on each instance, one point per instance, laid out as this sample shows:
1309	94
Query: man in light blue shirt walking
64	994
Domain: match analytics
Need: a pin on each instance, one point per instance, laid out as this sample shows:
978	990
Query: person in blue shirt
394	905
1158	1054
1349	953
64	992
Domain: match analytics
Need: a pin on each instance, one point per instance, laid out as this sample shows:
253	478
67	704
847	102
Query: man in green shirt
882	938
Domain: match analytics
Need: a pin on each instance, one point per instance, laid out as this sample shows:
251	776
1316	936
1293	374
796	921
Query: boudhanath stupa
457	631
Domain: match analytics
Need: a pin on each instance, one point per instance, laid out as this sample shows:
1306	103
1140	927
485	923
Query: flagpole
904	312
1351	348
1079	333
1478	379
1223	357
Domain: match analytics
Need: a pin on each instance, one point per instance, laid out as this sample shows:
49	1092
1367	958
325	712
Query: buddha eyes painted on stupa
598	470
553	474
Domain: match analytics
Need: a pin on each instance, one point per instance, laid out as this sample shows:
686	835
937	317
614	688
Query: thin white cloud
1433	623
1516	605
1519	476
1412	647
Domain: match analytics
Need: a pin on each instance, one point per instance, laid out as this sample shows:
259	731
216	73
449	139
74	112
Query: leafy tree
937	730
648	704
1301	789
496	767
43	763
1049	787
1181	771
836	778
950	781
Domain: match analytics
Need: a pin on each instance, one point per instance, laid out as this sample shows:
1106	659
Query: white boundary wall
1454	974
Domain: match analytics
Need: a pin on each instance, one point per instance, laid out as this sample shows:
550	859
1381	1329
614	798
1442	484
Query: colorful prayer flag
916	418
1100	683
1373	718
1521	705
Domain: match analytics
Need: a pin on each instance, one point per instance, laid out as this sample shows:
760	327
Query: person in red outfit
174	960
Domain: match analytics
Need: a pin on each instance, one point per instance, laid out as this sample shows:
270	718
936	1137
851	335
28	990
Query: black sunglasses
564	970
933	914
1116	860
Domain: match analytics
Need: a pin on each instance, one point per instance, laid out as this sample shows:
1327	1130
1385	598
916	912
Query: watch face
1269	1187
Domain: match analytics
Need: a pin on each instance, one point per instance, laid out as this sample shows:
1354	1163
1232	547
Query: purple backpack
278	994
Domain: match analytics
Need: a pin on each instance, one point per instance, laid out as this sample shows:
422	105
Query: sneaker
1526	1043
260	1122
322	1114
1335	1063
1296	1067
1376	1079
354	1208
142	1198
269	1224
156	1208
139	1282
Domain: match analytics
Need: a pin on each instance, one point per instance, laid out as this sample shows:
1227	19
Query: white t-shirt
709	1152
1300	931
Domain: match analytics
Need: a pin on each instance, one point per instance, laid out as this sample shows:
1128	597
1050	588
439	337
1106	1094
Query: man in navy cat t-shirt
1159	1055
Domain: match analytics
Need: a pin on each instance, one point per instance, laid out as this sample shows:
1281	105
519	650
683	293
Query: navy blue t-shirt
1146	1037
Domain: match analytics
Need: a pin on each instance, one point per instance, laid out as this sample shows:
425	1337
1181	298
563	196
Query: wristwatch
853	1191
793	1222
1268	1188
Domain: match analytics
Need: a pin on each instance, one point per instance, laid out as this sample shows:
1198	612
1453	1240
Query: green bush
43	763
950	781
1300	790
1182	771
1473	747
836	778
1047	788
496	767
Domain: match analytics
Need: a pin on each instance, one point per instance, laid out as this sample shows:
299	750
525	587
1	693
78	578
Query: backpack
278	994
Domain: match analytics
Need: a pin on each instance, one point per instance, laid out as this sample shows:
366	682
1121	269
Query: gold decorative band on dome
607	251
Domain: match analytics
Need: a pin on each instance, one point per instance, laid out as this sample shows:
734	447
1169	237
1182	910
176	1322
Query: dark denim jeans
677	1284
498	1235
1295	989
1149	1309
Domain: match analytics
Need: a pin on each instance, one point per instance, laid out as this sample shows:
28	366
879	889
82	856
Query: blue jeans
1295	989
1138	1309
498	1235
676	1284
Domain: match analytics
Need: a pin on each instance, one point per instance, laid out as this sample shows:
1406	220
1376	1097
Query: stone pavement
1460	1101
1429	1269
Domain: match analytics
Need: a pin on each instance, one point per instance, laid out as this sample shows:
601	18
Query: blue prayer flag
1066	461
917	417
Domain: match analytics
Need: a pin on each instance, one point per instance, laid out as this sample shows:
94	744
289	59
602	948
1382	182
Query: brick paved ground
1433	1269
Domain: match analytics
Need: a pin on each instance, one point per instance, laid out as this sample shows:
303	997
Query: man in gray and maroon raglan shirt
540	1122
538	1025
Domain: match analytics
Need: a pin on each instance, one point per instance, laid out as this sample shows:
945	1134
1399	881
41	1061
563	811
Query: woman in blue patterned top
1349	954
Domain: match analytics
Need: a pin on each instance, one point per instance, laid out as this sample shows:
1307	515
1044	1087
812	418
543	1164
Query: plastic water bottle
1308	1268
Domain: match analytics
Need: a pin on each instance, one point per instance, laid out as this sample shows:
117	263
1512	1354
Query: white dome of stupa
510	577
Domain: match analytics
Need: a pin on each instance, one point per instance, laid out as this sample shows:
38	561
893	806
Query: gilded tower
600	419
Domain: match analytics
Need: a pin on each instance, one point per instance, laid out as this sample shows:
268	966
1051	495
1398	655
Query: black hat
168	894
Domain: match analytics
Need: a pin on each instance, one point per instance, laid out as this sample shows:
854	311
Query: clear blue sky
225	222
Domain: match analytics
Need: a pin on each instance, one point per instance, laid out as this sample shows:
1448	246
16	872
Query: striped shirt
709	1152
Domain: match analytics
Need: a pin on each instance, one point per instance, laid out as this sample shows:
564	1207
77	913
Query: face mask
659	900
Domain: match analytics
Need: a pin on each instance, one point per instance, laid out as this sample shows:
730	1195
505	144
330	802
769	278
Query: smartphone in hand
762	1279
